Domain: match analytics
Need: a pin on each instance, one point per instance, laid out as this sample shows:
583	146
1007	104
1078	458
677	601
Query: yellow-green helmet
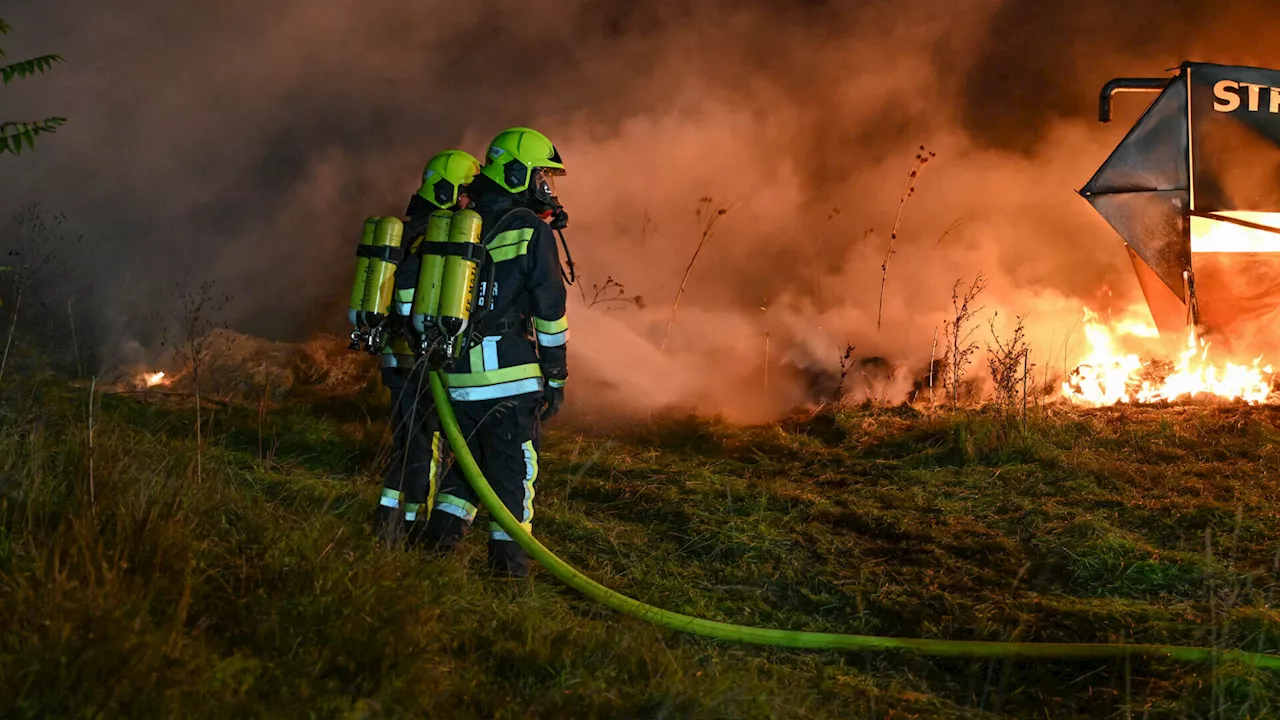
514	154
444	174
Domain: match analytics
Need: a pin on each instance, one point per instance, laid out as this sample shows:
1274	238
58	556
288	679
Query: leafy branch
29	68
15	134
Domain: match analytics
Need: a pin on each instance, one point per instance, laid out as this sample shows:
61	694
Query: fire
153	379
1208	235
1110	375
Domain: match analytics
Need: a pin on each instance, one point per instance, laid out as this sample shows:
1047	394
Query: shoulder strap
488	319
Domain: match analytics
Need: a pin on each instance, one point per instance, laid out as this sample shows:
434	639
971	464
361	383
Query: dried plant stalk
817	250
933	354
708	230
958	331
922	159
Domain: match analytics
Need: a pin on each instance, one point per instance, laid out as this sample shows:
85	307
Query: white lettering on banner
1253	95
1227	97
1227	101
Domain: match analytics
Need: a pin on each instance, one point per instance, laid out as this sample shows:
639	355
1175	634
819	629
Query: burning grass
255	589
1110	375
241	368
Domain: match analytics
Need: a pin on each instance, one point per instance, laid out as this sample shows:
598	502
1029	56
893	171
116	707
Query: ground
141	578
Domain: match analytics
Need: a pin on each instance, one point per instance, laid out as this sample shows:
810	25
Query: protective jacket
523	333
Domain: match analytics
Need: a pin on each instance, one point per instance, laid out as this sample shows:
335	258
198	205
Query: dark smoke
244	142
1056	55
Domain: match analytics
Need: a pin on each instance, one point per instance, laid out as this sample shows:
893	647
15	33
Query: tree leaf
27	68
14	134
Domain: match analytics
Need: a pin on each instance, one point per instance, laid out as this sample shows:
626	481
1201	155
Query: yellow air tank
426	296
383	259
458	280
355	309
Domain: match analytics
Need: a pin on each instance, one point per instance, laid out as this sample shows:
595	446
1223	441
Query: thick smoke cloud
244	142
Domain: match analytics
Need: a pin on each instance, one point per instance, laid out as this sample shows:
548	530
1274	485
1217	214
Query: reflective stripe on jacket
526	261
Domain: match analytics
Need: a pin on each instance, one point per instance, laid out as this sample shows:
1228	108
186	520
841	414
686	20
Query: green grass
253	588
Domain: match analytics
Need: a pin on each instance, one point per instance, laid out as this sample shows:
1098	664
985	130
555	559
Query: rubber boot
508	560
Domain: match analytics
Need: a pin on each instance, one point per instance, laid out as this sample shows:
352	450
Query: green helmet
444	174
515	153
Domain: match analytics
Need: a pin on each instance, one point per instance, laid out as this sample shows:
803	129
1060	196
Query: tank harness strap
386	253
471	252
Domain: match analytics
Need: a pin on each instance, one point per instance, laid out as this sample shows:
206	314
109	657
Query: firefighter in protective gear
513	376
413	470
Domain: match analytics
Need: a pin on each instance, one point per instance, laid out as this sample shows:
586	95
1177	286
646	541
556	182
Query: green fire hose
789	638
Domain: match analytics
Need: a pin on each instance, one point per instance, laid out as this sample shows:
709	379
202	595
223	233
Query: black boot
508	560
415	533
443	533
388	525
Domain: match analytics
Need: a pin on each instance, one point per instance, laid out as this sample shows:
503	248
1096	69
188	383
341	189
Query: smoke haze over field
245	142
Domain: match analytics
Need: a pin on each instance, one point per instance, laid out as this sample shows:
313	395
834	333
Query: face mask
543	189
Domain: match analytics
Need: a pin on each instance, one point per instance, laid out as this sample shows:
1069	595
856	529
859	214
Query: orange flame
153	379
1109	376
1216	236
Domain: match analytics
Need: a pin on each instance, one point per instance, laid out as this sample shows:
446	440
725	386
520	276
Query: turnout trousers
410	476
502	434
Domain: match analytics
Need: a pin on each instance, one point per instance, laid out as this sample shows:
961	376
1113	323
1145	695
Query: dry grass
255	588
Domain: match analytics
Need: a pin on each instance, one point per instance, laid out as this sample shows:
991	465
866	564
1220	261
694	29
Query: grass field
136	582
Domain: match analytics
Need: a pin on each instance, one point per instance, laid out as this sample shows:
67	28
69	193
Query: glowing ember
1109	375
153	379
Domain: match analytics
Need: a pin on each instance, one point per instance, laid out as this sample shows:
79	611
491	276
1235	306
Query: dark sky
244	141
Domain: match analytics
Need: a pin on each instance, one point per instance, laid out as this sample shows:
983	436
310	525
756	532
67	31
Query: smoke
245	142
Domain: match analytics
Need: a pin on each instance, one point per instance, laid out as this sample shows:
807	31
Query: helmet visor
543	185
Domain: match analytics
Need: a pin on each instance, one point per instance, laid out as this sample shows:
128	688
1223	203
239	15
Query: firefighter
513	376
413	469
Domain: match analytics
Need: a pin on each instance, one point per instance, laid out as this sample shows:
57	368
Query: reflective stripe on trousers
390	498
456	507
530	477
433	475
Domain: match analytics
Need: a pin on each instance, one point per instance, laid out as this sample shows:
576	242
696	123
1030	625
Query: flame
153	379
1109	375
1208	235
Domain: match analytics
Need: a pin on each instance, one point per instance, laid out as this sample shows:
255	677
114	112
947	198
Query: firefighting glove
553	398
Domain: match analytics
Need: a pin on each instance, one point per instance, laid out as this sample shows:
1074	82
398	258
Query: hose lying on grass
789	638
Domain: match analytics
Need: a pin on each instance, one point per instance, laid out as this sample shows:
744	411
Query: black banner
1235	138
1142	190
